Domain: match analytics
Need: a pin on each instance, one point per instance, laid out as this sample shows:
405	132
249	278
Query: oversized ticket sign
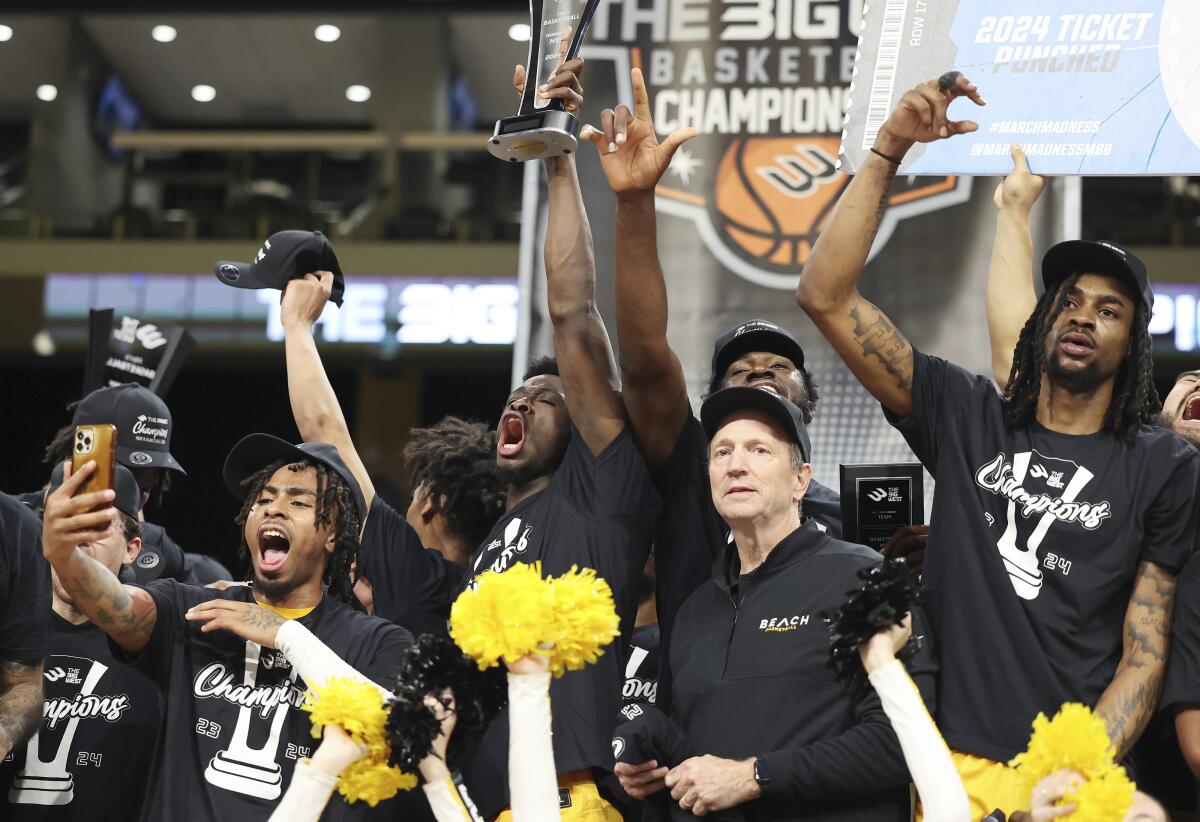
1085	86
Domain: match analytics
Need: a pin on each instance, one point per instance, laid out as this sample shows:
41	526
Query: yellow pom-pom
353	705
585	619
1103	798
1076	739
357	707
373	780
505	616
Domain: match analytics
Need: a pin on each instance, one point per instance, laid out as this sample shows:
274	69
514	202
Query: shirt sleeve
1173	521
171	601
865	757
413	585
25	616
391	643
940	392
943	797
1183	669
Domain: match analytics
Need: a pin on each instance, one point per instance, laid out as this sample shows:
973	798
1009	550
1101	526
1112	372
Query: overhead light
163	33
5	32
47	93
203	94
519	32
358	94
327	33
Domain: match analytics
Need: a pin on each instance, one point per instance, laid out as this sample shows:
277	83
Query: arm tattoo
105	601
1130	699
20	703
882	206
880	339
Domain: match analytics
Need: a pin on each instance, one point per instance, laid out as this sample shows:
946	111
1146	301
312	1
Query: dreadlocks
456	460
334	497
1135	400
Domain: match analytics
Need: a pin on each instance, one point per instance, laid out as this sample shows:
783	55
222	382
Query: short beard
275	589
1084	381
1166	421
518	474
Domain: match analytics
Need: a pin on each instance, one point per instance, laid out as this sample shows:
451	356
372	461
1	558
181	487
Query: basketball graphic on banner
772	196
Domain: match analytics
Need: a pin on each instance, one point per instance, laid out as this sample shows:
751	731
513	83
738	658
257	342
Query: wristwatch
761	776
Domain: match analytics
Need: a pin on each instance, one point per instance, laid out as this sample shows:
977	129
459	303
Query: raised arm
1129	701
585	358
653	385
1010	295
124	612
870	345
314	404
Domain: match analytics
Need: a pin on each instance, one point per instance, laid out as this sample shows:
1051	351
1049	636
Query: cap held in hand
286	256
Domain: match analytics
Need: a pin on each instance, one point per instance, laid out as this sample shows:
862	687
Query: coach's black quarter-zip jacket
751	679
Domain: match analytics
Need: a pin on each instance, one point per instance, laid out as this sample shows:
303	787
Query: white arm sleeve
450	802
533	787
943	797
313	659
306	796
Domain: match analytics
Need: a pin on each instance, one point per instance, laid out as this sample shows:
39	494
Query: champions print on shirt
264	691
514	541
77	692
1043	496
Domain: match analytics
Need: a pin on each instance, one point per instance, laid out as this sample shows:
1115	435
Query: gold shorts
586	805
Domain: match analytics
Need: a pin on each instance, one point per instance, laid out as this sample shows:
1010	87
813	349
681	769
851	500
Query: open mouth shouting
512	435
273	546
766	384
1191	408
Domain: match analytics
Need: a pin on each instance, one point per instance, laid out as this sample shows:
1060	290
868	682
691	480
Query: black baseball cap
129	496
646	733
1088	256
285	256
256	451
143	424
754	335
717	408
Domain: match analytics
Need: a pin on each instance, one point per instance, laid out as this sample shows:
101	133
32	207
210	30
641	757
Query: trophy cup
541	128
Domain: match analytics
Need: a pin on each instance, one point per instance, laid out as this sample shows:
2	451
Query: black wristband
888	157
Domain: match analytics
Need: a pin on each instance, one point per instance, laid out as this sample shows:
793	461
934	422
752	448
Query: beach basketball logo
765	84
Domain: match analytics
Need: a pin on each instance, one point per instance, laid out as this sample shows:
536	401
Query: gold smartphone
99	443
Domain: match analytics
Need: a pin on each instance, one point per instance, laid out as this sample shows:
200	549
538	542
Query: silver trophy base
546	133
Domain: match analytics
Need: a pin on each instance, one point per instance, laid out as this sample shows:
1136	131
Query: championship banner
743	203
1086	86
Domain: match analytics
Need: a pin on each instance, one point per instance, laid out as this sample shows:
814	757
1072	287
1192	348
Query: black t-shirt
93	751
1182	688
232	726
690	534
641	671
413	586
1033	547
597	512
24	585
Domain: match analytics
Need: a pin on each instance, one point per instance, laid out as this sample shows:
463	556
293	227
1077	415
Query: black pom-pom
889	590
433	665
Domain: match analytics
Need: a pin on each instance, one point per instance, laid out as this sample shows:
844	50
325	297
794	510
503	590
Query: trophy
878	499
133	350
541	128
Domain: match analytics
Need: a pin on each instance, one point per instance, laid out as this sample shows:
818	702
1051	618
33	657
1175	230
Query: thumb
1020	164
674	140
327	280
